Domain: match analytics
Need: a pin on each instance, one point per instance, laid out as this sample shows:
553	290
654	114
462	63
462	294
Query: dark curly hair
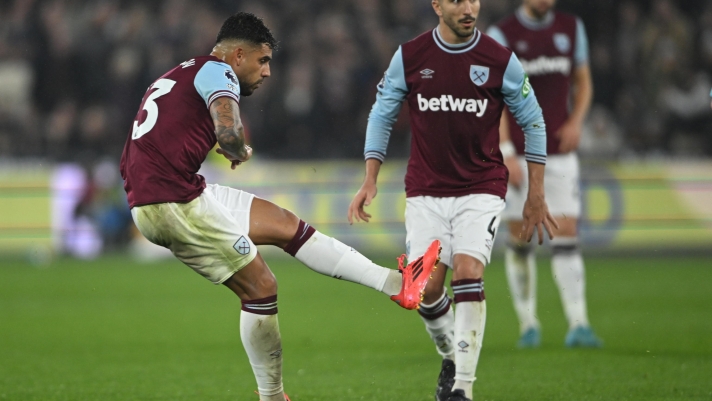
248	27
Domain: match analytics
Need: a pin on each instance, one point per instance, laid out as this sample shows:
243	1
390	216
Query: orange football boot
416	276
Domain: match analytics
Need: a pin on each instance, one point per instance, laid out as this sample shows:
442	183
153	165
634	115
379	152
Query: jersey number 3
162	86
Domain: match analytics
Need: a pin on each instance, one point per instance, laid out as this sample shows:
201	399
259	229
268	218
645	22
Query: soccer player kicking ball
456	81
554	52
214	229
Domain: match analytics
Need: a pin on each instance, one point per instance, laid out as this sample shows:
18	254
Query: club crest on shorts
479	74
242	246
562	42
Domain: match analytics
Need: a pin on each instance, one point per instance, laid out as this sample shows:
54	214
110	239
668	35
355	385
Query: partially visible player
214	229
554	52
456	81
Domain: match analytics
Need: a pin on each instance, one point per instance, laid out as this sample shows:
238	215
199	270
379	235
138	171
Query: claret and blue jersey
173	132
550	50
456	94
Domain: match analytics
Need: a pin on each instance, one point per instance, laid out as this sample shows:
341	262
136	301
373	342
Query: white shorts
465	225
561	188
209	233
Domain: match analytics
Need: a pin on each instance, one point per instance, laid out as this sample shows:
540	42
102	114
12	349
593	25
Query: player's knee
289	223
515	229
264	285
433	291
468	267
521	249
435	286
268	283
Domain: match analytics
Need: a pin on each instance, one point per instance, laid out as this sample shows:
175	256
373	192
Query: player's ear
436	7
239	54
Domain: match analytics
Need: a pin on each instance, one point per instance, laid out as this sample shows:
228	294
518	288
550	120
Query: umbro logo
427	73
188	63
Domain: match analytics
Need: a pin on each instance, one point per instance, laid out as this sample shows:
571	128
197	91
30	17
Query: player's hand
363	197
235	161
570	135
516	177
536	214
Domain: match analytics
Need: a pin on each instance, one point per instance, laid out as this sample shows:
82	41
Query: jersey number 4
162	86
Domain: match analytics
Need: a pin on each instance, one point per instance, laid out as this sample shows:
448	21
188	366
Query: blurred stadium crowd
72	72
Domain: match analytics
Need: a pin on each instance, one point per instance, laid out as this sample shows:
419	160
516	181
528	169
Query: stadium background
72	74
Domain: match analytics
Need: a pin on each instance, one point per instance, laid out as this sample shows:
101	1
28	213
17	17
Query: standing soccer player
456	81
554	52
214	229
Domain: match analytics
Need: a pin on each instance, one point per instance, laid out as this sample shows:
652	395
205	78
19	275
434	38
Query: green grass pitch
116	330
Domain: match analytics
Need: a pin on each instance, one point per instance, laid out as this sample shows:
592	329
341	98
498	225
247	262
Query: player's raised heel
415	276
582	337
445	381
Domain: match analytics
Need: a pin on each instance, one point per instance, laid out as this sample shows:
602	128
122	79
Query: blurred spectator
72	72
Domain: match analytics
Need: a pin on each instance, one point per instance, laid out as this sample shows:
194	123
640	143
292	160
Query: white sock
263	345
569	274
330	257
470	317
520	265
439	320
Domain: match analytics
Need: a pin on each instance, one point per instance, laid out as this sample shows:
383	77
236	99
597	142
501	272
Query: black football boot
445	381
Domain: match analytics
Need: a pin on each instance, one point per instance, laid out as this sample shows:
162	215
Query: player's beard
461	31
247	90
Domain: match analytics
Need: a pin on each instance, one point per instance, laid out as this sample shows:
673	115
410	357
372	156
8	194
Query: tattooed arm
229	130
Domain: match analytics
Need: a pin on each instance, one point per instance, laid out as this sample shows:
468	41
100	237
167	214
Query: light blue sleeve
392	90
216	80
521	100
581	50
495	33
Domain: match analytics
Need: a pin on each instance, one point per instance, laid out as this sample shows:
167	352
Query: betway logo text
448	103
547	65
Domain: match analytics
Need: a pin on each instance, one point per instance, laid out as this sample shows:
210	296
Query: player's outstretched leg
470	316
569	273
259	328
272	225
520	266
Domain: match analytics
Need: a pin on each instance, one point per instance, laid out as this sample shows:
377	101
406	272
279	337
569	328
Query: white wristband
507	149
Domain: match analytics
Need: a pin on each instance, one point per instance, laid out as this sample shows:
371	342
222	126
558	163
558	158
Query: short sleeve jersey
549	50
173	132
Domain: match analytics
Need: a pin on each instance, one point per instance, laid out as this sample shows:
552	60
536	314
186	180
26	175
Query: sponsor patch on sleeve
526	87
